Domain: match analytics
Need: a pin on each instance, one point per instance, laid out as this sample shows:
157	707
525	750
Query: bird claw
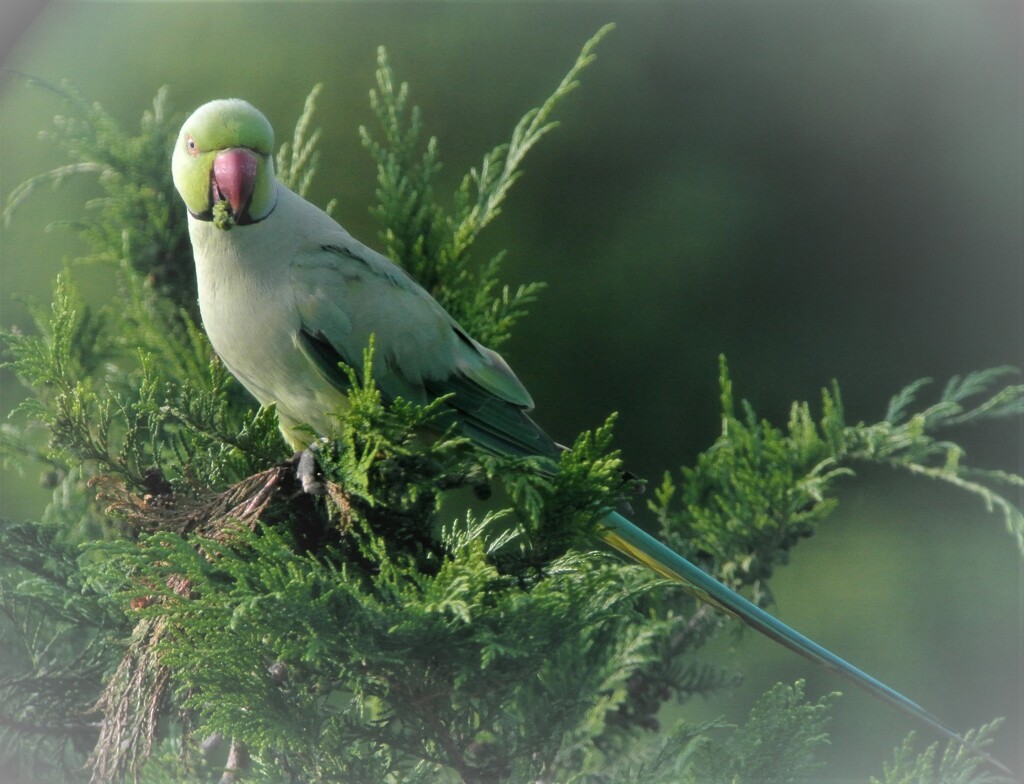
308	472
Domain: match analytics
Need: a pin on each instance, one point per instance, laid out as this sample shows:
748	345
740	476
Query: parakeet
286	294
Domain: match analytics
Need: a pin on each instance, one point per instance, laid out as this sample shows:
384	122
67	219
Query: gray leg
306	471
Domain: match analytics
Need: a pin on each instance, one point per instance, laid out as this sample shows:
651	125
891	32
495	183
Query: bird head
223	163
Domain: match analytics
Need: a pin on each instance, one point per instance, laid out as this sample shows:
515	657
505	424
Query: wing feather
346	292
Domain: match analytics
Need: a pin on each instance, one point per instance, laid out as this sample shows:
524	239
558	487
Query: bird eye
190	144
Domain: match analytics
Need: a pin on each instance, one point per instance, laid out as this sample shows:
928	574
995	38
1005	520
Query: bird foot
308	472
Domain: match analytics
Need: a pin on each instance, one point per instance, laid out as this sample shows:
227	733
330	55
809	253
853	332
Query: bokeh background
816	190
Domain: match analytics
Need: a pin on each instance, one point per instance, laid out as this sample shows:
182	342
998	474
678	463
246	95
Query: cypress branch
439	615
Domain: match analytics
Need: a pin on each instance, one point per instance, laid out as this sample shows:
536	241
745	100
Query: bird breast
246	305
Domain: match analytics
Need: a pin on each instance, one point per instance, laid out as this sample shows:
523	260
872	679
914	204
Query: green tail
632	541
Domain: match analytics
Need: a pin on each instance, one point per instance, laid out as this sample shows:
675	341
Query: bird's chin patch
222	216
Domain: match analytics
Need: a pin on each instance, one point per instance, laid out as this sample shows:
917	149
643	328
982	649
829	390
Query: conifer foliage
182	611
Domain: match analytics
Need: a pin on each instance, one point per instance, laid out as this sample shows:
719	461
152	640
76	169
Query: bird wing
345	292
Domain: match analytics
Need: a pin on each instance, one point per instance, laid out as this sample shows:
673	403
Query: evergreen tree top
439	616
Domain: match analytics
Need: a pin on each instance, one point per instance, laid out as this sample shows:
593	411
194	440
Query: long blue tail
624	536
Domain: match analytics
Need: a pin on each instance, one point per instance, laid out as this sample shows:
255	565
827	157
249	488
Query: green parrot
286	294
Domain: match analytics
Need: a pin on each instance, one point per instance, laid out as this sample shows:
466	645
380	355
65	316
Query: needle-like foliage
182	611
952	766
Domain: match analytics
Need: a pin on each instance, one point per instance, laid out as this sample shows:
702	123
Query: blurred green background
816	190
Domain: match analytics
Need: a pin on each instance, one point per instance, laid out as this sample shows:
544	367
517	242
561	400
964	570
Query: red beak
234	178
